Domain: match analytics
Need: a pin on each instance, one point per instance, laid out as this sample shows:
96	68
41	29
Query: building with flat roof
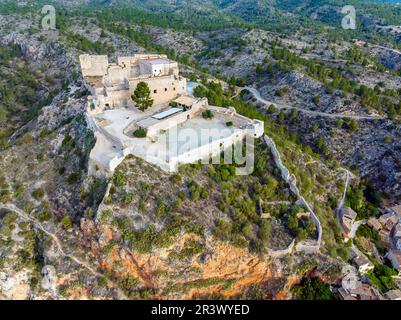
348	217
375	224
395	258
363	264
393	294
361	291
397	211
112	84
388	220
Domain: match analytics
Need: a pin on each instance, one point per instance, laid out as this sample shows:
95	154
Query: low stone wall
283	252
210	149
308	247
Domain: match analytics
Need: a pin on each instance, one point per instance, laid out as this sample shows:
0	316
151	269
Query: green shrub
264	231
102	282
128	283
119	179
207	114
68	143
191	248
161	210
382	277
66	222
105	216
38	194
353	125
313	289
247	229
139	133
128	198
5	196
191	227
44	133
223	229
27	138
176	178
10	218
229	123
73	178
367	232
44	216
19	191
196	191
271	109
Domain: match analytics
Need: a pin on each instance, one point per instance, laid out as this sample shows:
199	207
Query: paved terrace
114	141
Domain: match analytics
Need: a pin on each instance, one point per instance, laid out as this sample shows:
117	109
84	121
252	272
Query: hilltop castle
115	120
112	84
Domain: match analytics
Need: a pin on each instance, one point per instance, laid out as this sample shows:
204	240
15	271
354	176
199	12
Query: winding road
347	179
279	106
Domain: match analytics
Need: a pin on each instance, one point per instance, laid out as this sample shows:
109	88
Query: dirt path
23	215
257	95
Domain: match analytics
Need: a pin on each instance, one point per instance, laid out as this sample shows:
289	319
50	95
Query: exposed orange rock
228	271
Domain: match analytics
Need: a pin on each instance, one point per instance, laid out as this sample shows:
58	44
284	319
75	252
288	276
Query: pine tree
141	96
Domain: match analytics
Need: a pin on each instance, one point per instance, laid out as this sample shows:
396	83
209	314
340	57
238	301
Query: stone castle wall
111	85
162	89
94	66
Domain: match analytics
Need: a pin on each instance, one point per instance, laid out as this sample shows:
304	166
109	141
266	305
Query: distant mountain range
268	13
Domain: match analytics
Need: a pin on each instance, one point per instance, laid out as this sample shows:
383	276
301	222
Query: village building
361	291
344	294
395	258
397	230
359	260
396	236
375	224
173	116
347	218
388	220
385	237
396	210
393	294
362	264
